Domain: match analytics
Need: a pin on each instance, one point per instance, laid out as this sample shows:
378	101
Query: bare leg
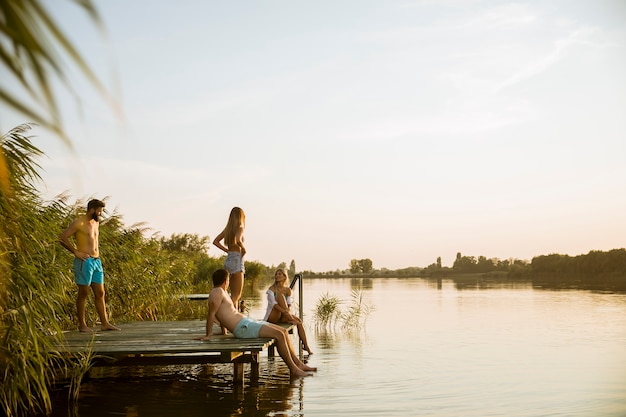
236	287
302	336
301	333
285	349
274	316
295	357
98	293
81	301
292	351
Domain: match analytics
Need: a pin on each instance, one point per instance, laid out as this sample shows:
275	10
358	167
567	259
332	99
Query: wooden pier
168	343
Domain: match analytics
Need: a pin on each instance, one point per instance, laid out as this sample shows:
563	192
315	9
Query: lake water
426	350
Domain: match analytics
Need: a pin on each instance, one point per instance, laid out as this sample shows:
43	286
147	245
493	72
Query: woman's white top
271	302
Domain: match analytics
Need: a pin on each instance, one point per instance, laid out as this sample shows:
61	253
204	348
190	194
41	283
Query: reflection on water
330	340
361	283
434	348
197	390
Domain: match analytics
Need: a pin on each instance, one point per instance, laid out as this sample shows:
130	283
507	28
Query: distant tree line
513	268
595	270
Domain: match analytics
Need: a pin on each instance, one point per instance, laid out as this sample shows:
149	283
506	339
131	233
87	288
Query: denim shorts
88	271
234	263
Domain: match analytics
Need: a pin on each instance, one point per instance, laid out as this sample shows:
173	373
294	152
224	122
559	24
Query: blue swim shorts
248	328
89	271
234	263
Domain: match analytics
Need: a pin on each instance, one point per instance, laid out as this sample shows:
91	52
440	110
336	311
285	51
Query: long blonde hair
284	271
236	219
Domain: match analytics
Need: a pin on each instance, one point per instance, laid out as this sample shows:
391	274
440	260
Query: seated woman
279	303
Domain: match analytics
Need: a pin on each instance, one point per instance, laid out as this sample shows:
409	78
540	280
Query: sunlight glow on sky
397	131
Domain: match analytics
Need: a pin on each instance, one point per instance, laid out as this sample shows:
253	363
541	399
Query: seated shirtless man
222	309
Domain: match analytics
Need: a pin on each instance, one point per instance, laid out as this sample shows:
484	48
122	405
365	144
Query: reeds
29	301
358	312
80	367
144	279
37	289
328	313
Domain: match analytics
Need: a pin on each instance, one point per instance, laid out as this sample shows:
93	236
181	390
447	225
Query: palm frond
19	156
32	51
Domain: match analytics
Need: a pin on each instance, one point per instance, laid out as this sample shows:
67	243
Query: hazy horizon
397	131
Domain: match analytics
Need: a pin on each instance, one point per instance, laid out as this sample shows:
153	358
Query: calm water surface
426	350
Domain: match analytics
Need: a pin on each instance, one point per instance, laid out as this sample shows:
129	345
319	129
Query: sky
399	131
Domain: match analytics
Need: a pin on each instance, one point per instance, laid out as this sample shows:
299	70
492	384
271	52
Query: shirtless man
222	309
88	270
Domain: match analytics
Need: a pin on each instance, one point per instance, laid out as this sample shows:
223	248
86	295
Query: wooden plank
163	343
158	337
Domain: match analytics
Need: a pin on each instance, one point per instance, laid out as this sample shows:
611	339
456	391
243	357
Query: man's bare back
224	309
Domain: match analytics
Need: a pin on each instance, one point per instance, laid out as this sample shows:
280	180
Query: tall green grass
327	311
32	298
328	314
144	279
355	317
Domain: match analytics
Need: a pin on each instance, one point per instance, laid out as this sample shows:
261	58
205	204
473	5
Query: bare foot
309	351
85	329
109	327
299	373
308	368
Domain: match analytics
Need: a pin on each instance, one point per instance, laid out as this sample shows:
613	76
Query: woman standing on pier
232	235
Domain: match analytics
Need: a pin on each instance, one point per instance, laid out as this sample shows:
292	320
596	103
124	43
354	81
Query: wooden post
238	371
254	366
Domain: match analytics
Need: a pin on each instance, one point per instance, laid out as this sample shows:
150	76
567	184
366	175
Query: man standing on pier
221	307
88	270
